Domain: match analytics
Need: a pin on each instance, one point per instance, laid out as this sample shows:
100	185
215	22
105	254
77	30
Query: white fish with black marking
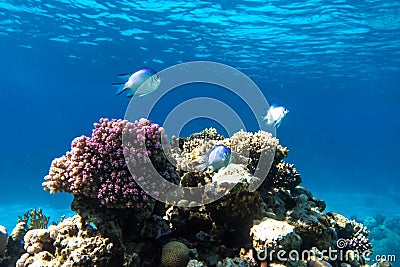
140	83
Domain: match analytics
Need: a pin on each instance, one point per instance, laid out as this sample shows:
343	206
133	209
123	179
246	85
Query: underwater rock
235	262
393	224
380	219
272	235
303	210
318	263
380	232
234	213
389	245
195	263
15	246
228	219
369	222
70	243
317	234
234	173
3	240
19	231
382	264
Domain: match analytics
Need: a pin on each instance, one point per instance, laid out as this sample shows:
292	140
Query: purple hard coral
96	167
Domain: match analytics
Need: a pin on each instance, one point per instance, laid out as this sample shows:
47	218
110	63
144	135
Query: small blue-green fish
139	83
217	157
275	115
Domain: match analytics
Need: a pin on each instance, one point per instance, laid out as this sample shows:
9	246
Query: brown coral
175	254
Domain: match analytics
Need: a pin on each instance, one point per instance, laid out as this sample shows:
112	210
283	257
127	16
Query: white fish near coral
217	157
275	115
139	83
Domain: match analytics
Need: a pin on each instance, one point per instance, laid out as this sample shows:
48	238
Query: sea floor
360	205
379	213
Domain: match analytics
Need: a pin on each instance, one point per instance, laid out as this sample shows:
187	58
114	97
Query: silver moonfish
139	83
217	157
275	115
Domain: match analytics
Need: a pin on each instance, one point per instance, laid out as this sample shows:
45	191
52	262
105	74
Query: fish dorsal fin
117	84
125	76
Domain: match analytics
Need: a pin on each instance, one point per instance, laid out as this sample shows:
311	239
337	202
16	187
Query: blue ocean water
334	64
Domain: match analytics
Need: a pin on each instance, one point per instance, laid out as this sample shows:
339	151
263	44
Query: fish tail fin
121	88
132	93
201	167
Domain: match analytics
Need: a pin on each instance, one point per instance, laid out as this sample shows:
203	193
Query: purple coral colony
119	224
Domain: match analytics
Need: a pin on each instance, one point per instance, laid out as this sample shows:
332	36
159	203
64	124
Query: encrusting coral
255	209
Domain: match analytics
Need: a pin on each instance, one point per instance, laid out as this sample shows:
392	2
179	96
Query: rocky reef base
279	224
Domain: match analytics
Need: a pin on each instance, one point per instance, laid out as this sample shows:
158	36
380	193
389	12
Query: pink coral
96	167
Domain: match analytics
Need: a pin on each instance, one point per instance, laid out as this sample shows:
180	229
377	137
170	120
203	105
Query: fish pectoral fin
278	123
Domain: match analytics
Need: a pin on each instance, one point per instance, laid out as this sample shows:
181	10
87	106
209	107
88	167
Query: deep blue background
334	65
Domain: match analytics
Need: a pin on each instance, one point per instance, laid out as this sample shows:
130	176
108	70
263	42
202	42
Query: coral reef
70	243
96	168
3	240
385	235
175	254
270	234
34	219
355	235
259	205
